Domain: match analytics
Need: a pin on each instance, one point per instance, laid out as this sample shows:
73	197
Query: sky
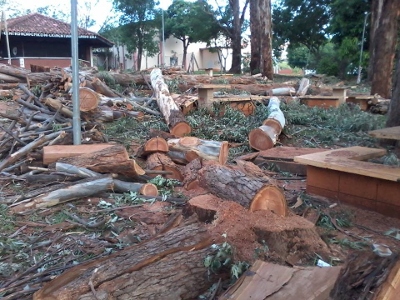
100	12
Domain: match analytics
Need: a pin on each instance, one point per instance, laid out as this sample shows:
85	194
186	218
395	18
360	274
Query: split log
114	159
171	261
101	88
53	153
272	281
194	147
169	109
245	184
88	188
153	145
265	136
89	100
161	162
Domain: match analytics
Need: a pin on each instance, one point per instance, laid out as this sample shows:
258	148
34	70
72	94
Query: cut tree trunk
194	147
168	266
245	184
57	105
101	88
265	136
14	71
169	109
161	162
53	153
156	144
114	159
147	189
190	174
89	99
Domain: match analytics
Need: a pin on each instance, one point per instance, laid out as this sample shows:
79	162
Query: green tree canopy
190	22
138	26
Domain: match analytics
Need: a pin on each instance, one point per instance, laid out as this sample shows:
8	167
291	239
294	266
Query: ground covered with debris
90	246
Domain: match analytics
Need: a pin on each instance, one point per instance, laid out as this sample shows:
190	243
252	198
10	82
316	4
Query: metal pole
361	50
163	42
6	33
76	118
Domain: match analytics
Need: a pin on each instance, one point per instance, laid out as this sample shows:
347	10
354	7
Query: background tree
190	22
394	108
231	21
138	26
383	36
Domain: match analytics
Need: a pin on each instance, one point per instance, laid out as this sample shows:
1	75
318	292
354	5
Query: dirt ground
51	235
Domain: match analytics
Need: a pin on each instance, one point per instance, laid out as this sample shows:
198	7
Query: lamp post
76	118
361	50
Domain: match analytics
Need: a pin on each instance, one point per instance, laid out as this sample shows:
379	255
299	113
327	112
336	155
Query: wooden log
161	162
76	191
155	144
53	153
276	282
190	174
245	184
6	93
57	105
114	159
182	158
210	150
171	261
89	99
303	87
265	136
169	109
147	189
101	88
13	71
10	79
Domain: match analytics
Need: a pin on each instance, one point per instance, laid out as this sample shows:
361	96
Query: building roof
37	25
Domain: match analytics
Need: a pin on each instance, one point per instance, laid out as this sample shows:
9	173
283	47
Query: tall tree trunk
394	108
255	37
236	38
267	68
184	59
384	45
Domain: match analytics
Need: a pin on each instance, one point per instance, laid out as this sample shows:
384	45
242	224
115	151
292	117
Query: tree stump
245	184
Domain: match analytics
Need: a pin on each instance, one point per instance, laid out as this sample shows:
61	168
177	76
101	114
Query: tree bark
169	109
210	150
394	108
114	159
267	68
384	45
255	65
168	266
245	184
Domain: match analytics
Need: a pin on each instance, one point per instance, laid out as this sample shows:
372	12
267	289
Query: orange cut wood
88	98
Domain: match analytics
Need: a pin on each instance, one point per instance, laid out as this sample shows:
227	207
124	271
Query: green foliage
222	260
301	22
6	219
299	57
164	185
190	22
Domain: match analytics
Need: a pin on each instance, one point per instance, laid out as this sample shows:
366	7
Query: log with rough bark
265	136
13	71
168	266
169	109
101	88
114	159
161	162
10	79
53	153
190	173
88	99
210	150
245	184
